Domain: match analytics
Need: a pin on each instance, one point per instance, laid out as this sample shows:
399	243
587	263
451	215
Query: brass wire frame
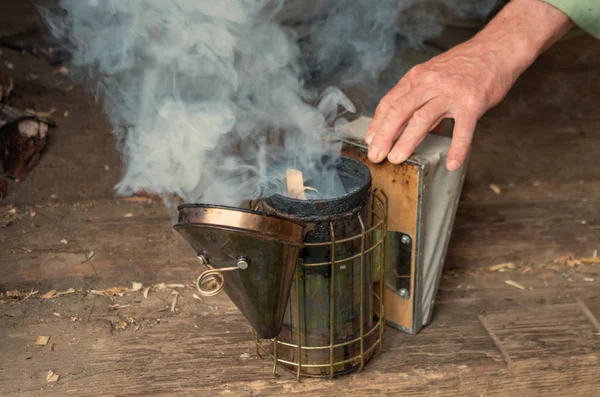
379	208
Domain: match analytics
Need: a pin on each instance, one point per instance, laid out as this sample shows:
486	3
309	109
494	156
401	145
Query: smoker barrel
329	323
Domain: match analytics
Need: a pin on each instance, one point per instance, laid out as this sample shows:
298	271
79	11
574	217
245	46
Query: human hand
463	83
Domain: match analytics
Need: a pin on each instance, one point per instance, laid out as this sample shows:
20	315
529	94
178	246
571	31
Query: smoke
212	100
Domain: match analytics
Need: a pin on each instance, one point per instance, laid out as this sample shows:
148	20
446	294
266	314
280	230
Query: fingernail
369	138
374	154
453	165
397	157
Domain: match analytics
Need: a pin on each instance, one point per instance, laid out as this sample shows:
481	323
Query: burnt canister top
356	178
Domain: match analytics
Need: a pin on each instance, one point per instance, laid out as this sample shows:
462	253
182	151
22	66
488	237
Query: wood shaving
514	284
49	294
146	291
174	302
66	292
502	267
42	115
197	297
137	199
30	294
526	270
128	215
51	377
590	261
116	291
13	294
495	188
56	314
588	279
135	286
61	70
42	340
175	285
562	260
118	306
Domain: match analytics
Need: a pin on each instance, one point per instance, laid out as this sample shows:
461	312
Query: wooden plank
494	232
548	333
206	348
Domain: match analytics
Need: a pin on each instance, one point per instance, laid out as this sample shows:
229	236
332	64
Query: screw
243	263
403	292
203	259
405	239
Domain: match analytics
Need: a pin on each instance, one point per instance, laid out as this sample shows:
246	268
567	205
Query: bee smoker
318	279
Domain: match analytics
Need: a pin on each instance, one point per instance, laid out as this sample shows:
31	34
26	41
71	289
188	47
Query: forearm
521	32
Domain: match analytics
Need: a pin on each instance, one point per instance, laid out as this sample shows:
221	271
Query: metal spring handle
216	275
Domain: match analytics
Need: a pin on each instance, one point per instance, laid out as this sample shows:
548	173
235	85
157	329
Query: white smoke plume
204	96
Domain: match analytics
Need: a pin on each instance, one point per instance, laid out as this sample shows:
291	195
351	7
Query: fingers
422	121
391	118
464	127
384	106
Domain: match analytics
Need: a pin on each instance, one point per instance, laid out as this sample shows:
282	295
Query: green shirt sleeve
585	13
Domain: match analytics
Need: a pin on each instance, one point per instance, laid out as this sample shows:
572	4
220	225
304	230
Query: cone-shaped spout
268	246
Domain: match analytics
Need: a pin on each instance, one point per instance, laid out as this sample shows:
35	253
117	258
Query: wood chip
13	294
66	292
135	286
590	261
30	294
514	284
526	270
160	287
175	285
51	377
562	260
116	291
118	306
501	267
174	302
128	215
40	114
197	297
295	183
61	70
495	188
49	294
588	279
42	340
146	291
56	314
52	347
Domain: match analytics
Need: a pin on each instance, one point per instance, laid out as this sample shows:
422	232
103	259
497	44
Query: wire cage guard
342	347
